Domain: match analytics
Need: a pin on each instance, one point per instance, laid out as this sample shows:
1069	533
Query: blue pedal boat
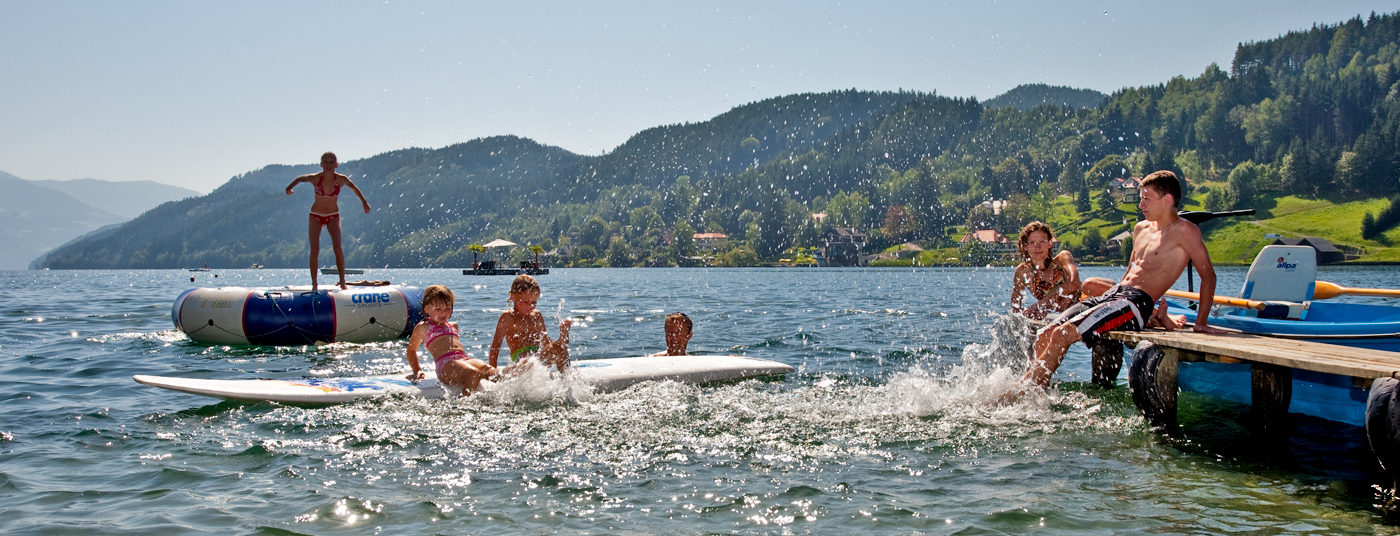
1284	278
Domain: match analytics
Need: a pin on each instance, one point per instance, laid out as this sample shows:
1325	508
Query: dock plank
1305	355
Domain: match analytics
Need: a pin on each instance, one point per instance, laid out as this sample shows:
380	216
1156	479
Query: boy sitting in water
1162	244
678	331
522	329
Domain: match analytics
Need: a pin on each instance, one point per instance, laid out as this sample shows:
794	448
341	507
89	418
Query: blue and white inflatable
292	316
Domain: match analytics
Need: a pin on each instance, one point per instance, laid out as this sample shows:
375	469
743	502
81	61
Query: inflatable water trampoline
292	316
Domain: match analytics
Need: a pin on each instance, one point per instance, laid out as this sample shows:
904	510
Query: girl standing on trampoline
325	212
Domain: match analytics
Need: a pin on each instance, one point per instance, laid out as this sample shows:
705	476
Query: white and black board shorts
1122	308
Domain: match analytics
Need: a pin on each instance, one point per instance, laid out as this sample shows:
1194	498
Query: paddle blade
1323	290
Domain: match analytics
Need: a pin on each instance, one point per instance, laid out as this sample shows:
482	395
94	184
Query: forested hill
1314	113
430	203
1027	96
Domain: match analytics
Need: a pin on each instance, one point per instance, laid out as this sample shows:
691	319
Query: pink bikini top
436	330
322	193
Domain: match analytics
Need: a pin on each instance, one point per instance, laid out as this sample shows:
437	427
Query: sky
193	93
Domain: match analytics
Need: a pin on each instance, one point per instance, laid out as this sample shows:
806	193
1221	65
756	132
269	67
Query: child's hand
415	376
366	204
289	190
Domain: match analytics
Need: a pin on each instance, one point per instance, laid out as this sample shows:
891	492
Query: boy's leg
556	354
1050	348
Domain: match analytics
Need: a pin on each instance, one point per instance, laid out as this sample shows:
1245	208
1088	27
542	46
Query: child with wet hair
455	368
678	331
523	331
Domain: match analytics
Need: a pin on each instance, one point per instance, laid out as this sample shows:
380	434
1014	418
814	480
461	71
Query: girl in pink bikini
454	367
325	212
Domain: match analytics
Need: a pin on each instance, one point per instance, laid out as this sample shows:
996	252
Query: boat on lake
1283	278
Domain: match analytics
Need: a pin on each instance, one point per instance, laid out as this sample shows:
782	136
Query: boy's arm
412	353
1072	282
1200	258
356	189
495	351
1068	290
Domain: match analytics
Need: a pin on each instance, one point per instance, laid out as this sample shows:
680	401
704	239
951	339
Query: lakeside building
843	247
712	241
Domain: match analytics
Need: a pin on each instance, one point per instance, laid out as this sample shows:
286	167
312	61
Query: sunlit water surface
885	428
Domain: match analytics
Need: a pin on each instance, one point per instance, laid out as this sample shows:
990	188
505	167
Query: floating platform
489	268
507	271
293	316
348	271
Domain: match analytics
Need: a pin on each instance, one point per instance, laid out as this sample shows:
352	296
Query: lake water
883	429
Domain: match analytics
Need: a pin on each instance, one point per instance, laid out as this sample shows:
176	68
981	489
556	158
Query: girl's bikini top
322	193
436	330
1041	287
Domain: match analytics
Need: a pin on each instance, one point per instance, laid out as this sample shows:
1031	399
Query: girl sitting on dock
1053	282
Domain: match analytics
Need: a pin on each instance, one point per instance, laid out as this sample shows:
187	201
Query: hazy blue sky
192	93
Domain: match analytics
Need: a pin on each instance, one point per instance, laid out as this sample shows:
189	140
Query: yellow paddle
1221	300
1323	290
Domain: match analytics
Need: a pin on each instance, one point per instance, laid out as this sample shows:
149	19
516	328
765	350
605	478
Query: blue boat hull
1349	324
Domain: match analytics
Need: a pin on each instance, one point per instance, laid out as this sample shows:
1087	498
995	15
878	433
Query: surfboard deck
605	375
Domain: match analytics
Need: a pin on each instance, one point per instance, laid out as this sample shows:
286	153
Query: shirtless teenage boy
1162	244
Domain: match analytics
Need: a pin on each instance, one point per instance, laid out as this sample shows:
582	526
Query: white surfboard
605	375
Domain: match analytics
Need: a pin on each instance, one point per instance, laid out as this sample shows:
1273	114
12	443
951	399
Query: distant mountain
127	199
1028	96
34	220
430	203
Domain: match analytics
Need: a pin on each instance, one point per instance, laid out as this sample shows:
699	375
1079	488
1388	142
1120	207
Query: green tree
684	238
584	254
618	256
848	210
975	252
1082	202
1093	241
1072	175
1106	169
594	232
738	257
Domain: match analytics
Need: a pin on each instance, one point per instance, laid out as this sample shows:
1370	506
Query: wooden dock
1154	381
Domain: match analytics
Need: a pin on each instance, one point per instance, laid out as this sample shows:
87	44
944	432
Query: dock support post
1152	381
1272	389
1107	359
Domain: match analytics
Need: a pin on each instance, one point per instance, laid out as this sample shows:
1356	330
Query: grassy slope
1237	242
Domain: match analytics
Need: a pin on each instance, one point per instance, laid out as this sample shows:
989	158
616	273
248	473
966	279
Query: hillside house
1125	190
843	247
711	241
996	242
1327	252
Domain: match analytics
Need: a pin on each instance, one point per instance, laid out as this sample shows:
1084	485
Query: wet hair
683	319
1164	183
330	154
524	283
1025	238
438	295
